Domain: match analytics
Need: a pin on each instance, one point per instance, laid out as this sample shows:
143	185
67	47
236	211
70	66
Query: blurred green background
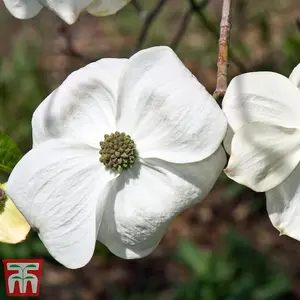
225	247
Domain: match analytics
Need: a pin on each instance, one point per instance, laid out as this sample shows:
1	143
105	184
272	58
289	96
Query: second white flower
263	111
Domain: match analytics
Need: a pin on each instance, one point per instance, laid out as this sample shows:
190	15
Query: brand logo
23	276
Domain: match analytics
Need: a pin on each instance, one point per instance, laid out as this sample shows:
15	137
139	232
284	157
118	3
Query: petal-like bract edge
283	205
228	139
169	114
68	10
13	226
60	187
106	7
262	97
23	9
83	107
295	76
262	156
149	197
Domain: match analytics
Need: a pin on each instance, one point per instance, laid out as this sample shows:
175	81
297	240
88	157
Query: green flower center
118	151
3	198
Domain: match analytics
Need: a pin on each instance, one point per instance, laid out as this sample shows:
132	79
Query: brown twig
182	29
185	22
225	27
139	9
150	18
298	23
136	5
214	31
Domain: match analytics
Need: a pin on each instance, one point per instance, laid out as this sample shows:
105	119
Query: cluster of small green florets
3	198
118	151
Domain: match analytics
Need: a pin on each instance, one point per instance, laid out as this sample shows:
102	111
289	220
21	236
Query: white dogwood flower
263	112
120	148
68	10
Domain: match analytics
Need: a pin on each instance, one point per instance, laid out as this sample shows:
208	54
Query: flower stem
225	27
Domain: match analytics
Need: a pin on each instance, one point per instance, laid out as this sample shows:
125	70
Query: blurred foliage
239	272
291	50
22	87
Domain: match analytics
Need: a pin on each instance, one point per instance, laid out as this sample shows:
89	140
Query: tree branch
225	27
298	23
185	22
214	31
150	18
182	29
139	9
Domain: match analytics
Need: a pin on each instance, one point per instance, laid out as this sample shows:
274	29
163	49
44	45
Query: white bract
65	192
263	137
68	10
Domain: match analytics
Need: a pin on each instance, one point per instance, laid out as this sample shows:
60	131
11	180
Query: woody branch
225	27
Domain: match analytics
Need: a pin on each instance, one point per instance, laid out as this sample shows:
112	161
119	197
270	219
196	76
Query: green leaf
16	277
10	154
198	260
